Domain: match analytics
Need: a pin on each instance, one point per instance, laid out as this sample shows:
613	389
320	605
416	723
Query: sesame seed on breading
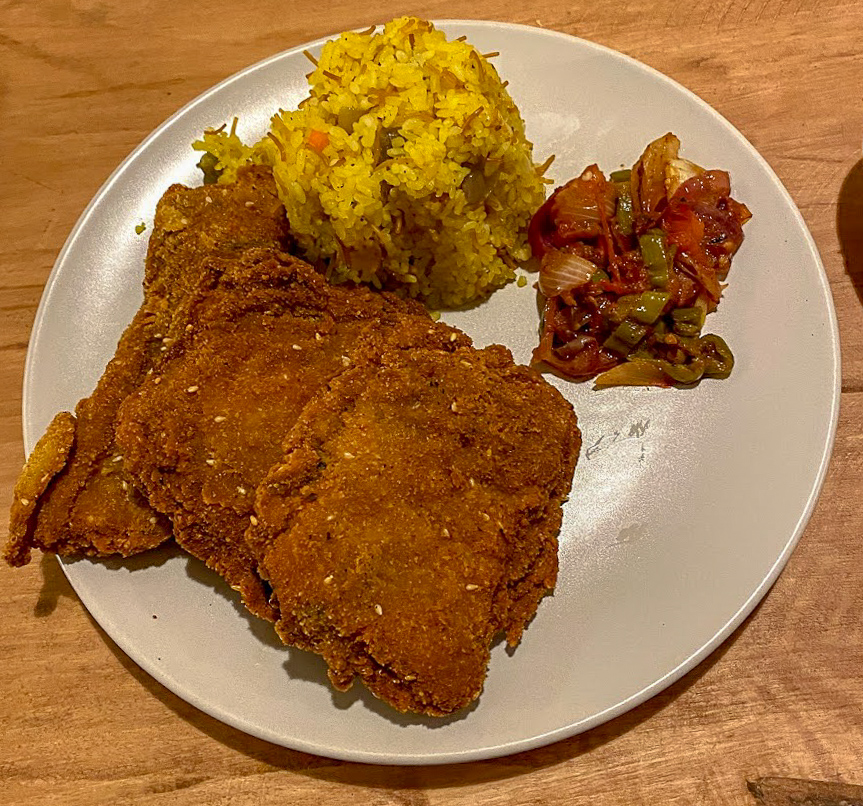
25	502
486	516
253	520
345	360
454	407
219	418
153	519
157	380
118	458
241	490
453	336
328	579
210	462
379	610
471	587
296	347
192	389
445	532
349	455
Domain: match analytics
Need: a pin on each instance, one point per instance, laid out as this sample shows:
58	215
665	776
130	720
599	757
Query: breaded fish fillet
85	504
259	339
414	517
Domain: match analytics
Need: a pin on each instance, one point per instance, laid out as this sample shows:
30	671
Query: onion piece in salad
563	271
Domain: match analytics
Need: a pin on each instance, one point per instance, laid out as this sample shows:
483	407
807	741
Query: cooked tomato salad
630	265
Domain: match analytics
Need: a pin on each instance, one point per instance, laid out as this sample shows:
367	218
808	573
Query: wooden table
83	81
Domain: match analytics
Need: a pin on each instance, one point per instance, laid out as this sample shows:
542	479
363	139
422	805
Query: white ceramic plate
686	504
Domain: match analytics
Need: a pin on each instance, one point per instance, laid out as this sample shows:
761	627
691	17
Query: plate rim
488	751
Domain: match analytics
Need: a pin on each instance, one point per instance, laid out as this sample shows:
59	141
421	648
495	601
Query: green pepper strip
688	321
621	175
683	329
685	373
624	211
719	361
625	337
599	276
617	346
630	332
650	306
655	256
622	308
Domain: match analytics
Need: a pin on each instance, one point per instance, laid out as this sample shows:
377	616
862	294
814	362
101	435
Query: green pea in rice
407	167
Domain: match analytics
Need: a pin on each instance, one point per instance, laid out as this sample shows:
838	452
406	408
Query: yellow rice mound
407	167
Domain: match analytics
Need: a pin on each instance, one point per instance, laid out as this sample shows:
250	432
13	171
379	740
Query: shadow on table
55	585
849	226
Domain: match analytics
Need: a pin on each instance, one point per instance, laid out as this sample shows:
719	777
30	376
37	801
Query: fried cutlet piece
86	503
414	517
259	340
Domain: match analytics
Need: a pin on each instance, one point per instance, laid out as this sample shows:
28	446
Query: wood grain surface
83	81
